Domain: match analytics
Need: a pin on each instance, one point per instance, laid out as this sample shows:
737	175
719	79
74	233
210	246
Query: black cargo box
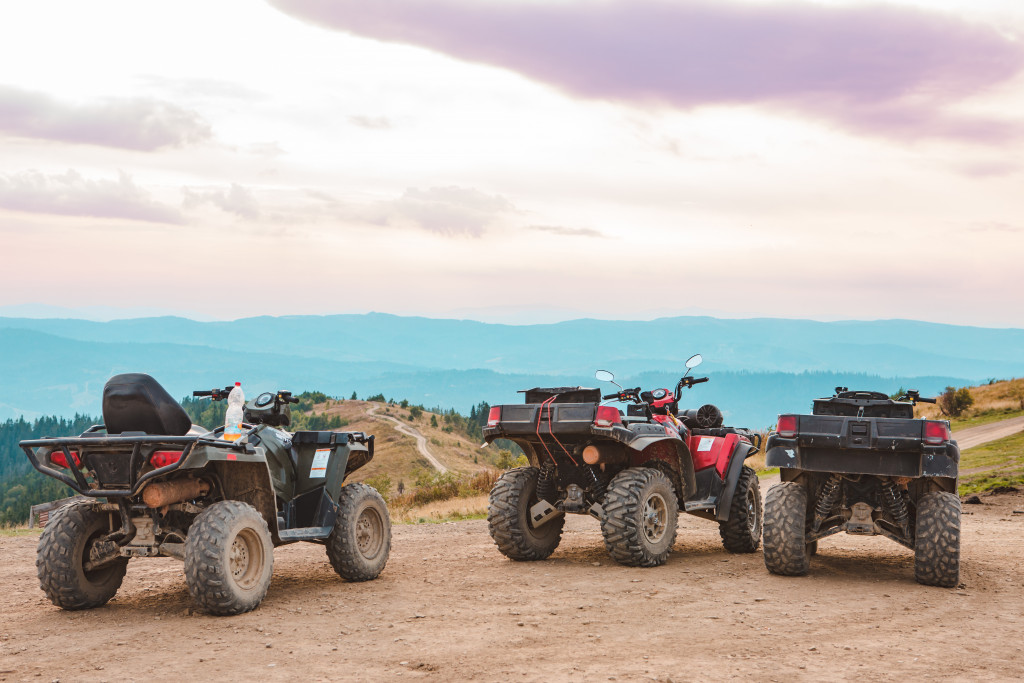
562	395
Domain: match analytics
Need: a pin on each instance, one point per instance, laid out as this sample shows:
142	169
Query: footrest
311	533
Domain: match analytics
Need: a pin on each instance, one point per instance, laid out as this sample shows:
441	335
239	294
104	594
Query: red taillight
607	416
936	433
787	426
494	416
60	460
165	458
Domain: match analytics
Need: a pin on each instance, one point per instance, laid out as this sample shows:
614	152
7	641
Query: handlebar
925	400
215	394
624	395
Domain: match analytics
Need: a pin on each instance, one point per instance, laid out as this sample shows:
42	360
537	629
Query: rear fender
671	451
740	452
250	483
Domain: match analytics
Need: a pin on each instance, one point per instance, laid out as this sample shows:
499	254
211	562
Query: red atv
633	471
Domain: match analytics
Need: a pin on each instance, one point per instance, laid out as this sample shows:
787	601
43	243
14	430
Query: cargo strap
547	404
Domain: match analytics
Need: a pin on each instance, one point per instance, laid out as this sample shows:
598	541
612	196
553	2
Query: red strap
555	437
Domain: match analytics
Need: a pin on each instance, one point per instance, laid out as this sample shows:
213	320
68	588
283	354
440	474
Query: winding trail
421	441
975	436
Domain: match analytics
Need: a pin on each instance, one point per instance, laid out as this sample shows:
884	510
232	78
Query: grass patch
436	512
984	418
19	531
1002	462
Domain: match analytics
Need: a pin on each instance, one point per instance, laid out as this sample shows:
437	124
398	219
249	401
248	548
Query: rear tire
359	546
229	558
508	518
741	533
937	542
61	555
640	517
785	523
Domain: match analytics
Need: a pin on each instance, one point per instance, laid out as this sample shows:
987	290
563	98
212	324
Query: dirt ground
450	607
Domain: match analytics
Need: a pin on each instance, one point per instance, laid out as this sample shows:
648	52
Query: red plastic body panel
712	450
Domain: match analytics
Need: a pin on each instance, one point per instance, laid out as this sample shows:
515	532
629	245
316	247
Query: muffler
170	492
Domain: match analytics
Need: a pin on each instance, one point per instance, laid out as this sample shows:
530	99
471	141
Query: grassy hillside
992	465
994	401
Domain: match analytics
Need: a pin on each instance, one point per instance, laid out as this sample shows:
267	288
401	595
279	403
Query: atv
862	464
634	471
151	483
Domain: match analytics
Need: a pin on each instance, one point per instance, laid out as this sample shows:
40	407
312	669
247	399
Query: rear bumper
926	461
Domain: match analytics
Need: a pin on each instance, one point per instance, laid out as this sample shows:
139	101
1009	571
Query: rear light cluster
936	433
494	416
60	460
164	458
787	426
607	416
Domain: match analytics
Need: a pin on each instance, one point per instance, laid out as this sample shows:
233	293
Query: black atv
862	464
153	484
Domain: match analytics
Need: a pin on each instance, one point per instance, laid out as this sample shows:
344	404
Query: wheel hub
655	516
369	532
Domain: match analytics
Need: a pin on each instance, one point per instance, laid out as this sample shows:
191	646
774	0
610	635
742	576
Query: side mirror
693	361
604	376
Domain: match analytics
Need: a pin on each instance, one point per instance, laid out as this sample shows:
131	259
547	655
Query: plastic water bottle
233	418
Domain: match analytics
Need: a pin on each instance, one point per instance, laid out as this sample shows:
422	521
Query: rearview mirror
604	376
693	361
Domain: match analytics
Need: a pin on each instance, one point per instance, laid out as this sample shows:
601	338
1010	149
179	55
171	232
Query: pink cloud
71	194
878	69
140	123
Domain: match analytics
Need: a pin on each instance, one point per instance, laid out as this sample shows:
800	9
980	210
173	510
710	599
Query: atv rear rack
40	452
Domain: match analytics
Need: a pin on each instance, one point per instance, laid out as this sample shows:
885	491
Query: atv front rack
105	457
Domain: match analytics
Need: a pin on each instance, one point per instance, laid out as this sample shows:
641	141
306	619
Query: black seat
135	402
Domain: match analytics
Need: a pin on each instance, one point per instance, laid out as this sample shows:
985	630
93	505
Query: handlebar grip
608	396
699	380
925	400
290	399
202	393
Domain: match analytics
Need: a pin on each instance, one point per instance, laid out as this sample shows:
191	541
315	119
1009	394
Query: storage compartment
562	395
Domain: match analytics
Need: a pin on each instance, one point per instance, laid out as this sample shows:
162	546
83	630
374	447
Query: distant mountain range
758	367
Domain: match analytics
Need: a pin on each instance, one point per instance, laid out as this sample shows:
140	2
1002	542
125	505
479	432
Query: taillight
494	416
60	460
607	416
165	458
936	433
787	426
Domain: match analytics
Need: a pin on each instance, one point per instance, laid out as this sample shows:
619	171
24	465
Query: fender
740	453
646	449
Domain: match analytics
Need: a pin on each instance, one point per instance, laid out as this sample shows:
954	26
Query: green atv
153	484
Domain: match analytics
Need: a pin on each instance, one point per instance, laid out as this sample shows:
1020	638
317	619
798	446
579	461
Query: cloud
72	195
995	226
138	124
442	210
371	122
568	232
878	69
236	199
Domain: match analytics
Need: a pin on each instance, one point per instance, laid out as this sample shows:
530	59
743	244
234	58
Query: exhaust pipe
170	492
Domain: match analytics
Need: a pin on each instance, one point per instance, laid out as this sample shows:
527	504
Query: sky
514	160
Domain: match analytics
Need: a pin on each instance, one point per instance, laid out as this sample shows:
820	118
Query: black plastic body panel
890	447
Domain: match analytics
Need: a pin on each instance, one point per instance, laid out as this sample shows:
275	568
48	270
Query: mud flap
732	478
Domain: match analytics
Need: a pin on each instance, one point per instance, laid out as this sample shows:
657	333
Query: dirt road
421	441
449	607
975	436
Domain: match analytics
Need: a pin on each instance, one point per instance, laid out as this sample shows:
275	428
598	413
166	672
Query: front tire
786	551
937	541
640	517
508	518
229	558
63	551
359	546
741	533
